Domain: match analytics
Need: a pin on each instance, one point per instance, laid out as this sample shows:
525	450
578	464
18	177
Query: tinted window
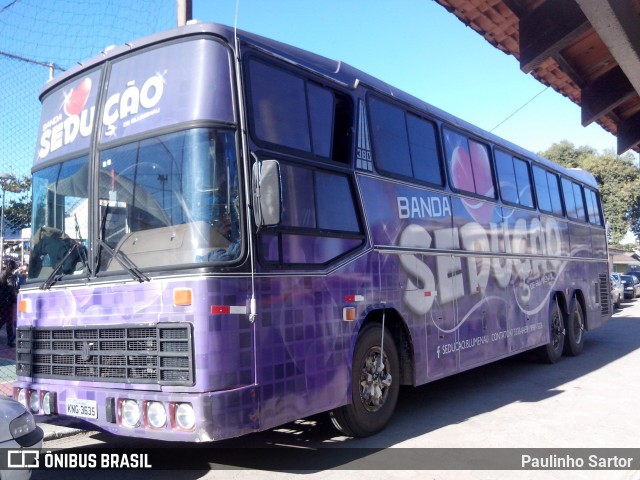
424	150
279	107
469	164
293	112
569	200
593	207
523	181
554	193
404	144
317	200
319	219
577	195
335	203
390	139
547	191
321	109
542	189
506	177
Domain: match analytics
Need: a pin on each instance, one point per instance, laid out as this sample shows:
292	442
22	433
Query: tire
618	303
574	339
552	351
374	394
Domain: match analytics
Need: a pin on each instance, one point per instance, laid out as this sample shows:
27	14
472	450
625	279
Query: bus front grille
161	353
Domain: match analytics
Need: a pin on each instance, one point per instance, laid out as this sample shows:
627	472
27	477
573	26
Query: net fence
40	39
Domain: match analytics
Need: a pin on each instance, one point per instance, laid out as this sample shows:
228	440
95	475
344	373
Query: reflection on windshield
170	200
60	220
164	201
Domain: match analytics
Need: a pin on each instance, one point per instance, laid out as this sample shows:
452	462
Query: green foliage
618	180
18	204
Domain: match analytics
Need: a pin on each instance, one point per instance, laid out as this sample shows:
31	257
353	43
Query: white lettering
423	207
419	295
448	279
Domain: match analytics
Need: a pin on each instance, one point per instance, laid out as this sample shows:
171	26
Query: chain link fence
39	40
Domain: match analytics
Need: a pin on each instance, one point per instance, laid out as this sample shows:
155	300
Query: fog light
48	402
34	401
156	414
130	413
22	397
185	416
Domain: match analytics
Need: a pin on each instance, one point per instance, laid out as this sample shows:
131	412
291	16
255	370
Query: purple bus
230	233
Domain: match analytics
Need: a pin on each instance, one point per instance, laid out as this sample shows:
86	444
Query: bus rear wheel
574	339
375	385
552	351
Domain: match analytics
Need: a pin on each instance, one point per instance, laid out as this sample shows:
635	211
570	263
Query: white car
18	430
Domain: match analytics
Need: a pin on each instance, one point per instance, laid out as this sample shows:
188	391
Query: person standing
9	288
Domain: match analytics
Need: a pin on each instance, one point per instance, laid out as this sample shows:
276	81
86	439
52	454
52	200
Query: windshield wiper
82	255
53	276
127	264
120	257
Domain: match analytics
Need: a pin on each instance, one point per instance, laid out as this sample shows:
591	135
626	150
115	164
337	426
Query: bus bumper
171	416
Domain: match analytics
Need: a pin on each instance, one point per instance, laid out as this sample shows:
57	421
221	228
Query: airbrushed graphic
76	99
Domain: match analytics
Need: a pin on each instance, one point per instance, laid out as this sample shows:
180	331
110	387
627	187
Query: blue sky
419	47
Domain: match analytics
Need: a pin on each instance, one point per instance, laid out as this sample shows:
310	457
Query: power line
527	103
8	6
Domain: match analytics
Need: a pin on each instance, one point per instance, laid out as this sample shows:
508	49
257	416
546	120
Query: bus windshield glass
170	200
164	201
60	219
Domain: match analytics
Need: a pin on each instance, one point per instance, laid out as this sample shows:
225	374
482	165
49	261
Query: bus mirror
267	192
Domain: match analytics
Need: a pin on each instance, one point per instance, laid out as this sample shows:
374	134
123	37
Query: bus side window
554	193
469	164
593	207
580	208
404	144
390	138
290	111
523	181
542	189
569	199
506	177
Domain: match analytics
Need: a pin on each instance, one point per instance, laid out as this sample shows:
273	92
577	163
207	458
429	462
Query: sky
421	48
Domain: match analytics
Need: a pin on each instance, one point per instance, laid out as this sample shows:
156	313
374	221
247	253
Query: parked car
617	291
631	286
18	430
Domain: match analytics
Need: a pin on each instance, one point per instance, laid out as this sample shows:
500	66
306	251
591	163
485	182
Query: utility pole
185	11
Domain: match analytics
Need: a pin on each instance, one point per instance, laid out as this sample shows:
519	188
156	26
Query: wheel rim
375	380
578	326
557	330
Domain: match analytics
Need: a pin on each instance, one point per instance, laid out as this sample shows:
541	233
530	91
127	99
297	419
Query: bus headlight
185	416
156	414
48	402
130	413
34	401
22	397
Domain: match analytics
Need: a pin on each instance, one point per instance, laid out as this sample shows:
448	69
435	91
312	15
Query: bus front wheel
375	384
574	339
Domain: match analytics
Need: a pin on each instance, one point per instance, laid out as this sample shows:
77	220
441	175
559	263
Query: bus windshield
164	201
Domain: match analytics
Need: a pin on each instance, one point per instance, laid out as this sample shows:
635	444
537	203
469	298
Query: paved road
588	402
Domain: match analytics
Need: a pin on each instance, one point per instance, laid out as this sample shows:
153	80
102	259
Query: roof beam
548	29
616	22
605	94
628	133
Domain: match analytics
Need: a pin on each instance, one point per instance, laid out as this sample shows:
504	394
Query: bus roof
337	71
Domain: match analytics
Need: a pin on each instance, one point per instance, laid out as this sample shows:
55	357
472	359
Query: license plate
77	407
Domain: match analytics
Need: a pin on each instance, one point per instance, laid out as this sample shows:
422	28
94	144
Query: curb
57	434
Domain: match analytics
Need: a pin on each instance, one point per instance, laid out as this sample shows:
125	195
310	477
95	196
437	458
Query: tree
18	203
618	179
